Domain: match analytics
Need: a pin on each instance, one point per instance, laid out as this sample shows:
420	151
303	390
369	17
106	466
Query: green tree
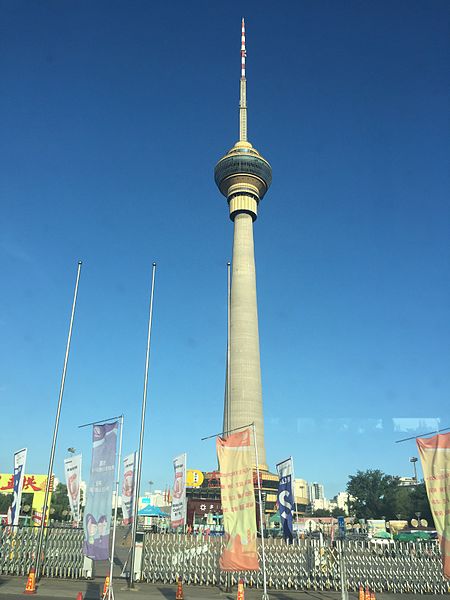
378	495
5	503
420	503
320	512
338	512
59	505
374	494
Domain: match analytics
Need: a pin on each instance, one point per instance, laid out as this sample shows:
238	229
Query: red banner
238	502
435	457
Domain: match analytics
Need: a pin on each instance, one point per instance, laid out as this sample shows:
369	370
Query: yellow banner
32	484
435	457
238	502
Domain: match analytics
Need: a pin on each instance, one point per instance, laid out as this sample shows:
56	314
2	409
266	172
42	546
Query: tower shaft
243	176
245	394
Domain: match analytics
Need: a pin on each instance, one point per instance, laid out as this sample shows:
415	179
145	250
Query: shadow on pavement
167	592
92	591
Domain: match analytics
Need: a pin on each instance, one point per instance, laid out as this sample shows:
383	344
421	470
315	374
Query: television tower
243	176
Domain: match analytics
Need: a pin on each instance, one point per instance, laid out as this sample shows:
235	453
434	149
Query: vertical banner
178	511
72	469
129	463
20	458
286	497
435	457
97	514
235	456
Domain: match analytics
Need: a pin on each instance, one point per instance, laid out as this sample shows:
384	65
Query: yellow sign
32	484
194	478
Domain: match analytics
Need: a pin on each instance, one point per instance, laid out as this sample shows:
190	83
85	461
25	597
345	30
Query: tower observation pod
243	176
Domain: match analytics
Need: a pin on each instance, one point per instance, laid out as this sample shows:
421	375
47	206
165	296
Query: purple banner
97	514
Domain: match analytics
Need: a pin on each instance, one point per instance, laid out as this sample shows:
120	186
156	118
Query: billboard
32	484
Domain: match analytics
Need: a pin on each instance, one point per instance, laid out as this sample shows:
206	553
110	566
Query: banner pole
261	524
141	435
116	502
228	379
295	501
55	430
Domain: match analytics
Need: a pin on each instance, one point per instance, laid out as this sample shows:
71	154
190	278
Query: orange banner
435	457
238	502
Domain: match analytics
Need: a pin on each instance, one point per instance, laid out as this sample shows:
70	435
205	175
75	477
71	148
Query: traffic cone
367	594
30	588
240	594
179	595
79	596
106	586
361	593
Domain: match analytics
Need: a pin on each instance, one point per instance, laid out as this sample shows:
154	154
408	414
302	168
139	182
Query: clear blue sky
113	115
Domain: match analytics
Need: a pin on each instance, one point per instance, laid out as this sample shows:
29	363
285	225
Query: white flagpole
141	435
228	382
265	594
55	430
110	591
293	493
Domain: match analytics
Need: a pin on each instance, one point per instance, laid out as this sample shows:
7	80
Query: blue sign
341	525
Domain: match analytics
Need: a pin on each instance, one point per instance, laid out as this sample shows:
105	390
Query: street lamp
413	460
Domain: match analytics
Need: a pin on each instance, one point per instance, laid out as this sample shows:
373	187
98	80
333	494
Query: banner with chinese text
235	456
285	497
97	514
435	457
32	484
129	463
72	468
178	510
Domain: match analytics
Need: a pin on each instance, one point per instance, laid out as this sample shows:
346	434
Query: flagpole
116	502
295	501
55	429
227	374
141	435
265	594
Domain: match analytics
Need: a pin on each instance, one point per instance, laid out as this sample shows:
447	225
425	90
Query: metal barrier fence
63	551
396	567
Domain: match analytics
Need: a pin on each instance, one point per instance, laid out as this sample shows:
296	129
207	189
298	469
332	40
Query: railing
402	567
396	567
63	551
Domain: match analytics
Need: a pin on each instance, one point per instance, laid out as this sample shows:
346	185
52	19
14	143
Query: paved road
11	588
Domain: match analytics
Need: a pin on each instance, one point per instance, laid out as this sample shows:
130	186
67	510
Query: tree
60	503
374	494
378	495
5	503
320	512
420	503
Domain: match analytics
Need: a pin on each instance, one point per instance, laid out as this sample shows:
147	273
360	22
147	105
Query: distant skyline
113	116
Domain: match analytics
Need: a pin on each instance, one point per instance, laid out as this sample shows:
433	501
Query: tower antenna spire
243	90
